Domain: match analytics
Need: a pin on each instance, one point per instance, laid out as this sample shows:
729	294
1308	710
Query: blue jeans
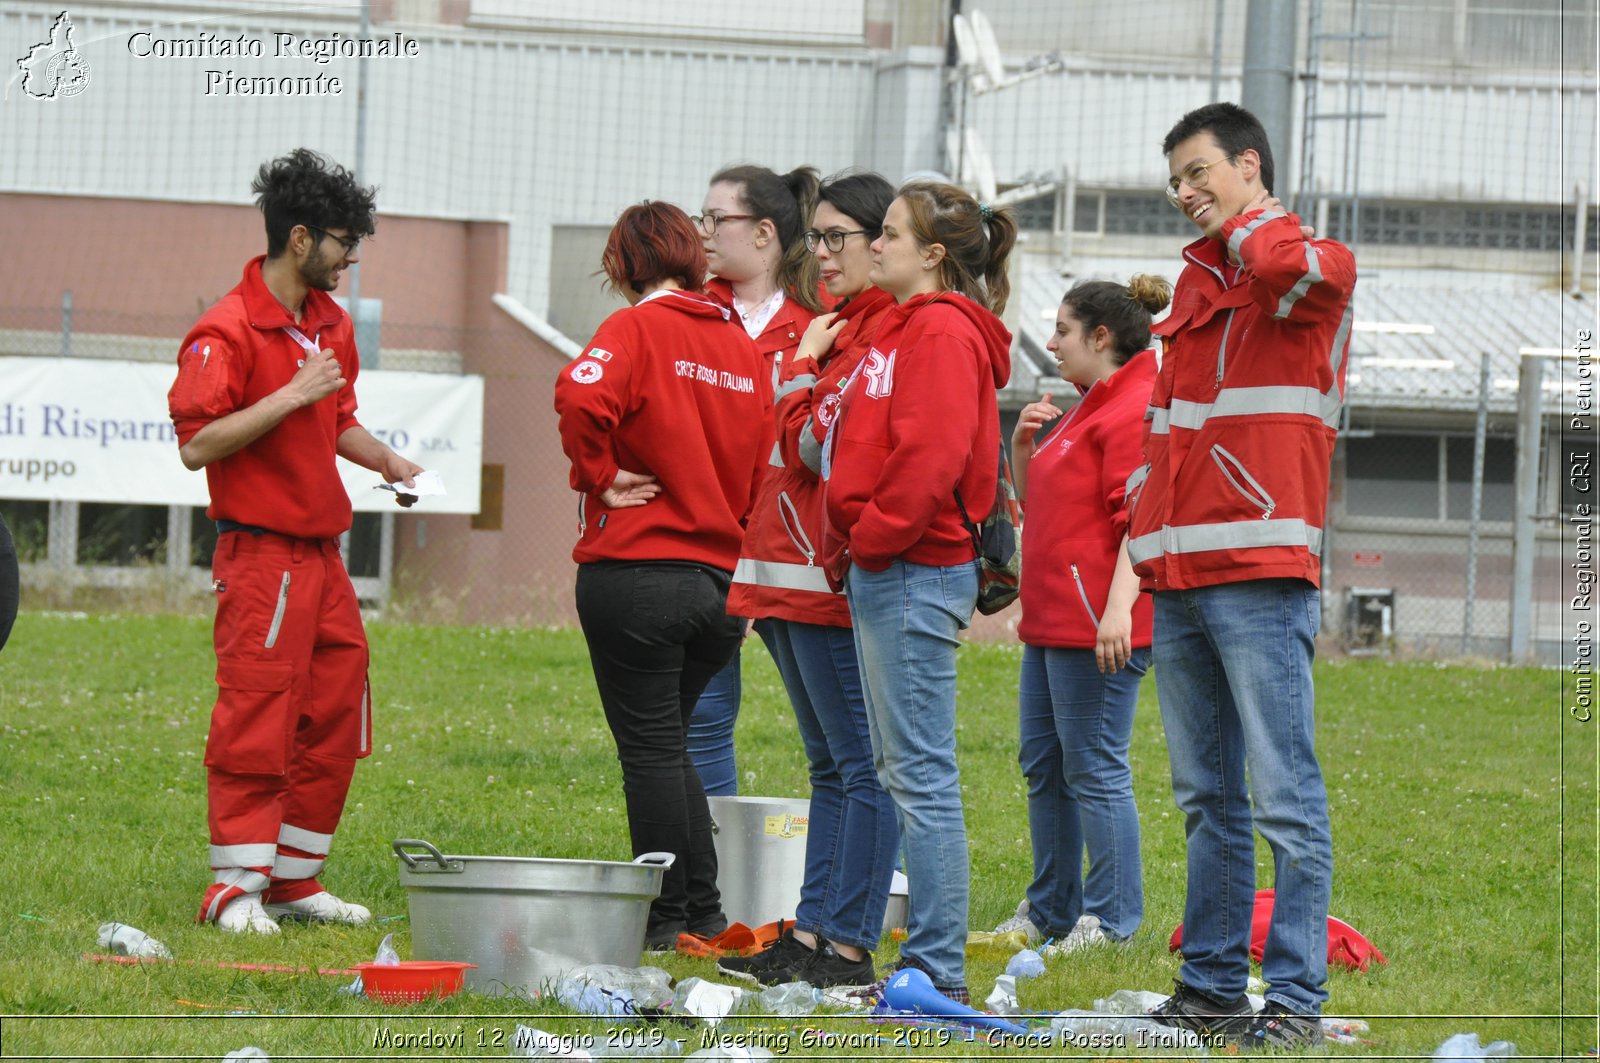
1233	667
710	736
906	622
1075	725
850	843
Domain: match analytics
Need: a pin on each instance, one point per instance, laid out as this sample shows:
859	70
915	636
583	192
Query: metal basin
761	855
520	919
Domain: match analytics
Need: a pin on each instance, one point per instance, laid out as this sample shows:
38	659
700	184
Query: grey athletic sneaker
1190	1009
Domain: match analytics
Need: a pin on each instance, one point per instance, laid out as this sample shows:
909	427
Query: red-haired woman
917	436
752	225
667	422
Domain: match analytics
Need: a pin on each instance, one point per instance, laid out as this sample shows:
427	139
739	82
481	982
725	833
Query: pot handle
661	860
434	855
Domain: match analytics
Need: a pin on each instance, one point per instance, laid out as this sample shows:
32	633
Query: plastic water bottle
650	987
1026	964
1128	1002
736	1052
1003	1001
247	1052
788	1000
586	998
1073	1029
127	940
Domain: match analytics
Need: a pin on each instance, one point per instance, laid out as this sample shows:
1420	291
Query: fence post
1530	400
1478	436
66	323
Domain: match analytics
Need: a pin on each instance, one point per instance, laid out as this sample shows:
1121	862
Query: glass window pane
1392	476
1499	477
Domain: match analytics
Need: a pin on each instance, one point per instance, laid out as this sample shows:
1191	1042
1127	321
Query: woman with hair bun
752	227
668	460
1085	627
916	438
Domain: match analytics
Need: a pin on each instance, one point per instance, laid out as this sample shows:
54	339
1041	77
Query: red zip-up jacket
673	388
780	570
779	337
1245	410
1077	479
238	353
919	420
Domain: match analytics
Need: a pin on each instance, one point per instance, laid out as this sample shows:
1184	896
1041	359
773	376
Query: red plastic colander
412	981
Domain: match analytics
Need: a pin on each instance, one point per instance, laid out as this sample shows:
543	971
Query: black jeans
657	633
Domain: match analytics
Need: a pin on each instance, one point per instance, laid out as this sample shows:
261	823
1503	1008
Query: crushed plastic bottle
247	1052
1123	1033
650	987
1003	1000
587	998
1026	964
386	956
710	1001
1128	1002
989	941
1464	1048
788	1000
125	940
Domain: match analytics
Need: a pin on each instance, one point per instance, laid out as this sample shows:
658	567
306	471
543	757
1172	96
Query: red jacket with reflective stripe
1075	513
919	420
237	354
780	571
1245	409
672	388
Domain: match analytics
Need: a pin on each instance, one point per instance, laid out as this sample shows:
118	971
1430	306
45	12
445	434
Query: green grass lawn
1447	786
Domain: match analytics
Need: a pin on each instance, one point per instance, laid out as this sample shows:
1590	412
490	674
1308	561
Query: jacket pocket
1083	596
252	723
789	514
1248	487
277	613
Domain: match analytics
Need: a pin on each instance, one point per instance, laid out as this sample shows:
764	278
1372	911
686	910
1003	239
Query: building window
1491	226
1427	477
1577	472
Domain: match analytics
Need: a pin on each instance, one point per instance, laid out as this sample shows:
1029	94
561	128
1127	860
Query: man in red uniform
264	400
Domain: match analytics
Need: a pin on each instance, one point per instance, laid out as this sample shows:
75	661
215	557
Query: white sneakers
247	915
1086	933
321	907
244	915
1021	922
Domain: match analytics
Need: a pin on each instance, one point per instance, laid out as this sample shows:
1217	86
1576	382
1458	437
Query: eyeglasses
833	238
1196	177
348	243
707	223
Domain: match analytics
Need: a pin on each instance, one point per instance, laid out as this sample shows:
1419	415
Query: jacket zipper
1255	492
1084	595
277	614
1222	350
583	523
790	516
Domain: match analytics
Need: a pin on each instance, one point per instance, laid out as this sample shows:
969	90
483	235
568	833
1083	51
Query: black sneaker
663	937
1190	1009
827	969
1277	1029
784	955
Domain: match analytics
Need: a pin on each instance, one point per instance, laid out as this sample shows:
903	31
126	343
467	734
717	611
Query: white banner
98	431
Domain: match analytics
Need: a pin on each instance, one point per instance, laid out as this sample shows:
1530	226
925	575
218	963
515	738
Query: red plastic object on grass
412	981
1346	945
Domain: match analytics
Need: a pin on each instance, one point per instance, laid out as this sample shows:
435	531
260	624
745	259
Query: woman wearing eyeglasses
751	225
1085	627
852	838
918	425
667	421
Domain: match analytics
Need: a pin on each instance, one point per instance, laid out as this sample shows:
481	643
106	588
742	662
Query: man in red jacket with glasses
264	401
1226	527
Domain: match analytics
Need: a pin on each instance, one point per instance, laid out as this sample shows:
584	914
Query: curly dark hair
303	188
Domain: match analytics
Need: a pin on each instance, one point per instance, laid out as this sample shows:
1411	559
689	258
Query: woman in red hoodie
1085	626
918	427
667	420
852	837
751	225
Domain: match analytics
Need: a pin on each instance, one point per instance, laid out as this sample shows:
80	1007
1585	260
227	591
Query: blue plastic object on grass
912	990
1026	964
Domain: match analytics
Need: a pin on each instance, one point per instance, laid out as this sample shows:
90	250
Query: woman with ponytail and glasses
751	226
918	426
851	841
1085	627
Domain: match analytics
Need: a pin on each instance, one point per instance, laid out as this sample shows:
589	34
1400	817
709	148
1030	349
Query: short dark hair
1234	128
303	188
652	242
860	195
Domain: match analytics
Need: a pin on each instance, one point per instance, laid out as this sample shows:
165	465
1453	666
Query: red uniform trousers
293	714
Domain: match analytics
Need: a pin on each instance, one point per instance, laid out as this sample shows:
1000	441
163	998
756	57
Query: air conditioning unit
1369	620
